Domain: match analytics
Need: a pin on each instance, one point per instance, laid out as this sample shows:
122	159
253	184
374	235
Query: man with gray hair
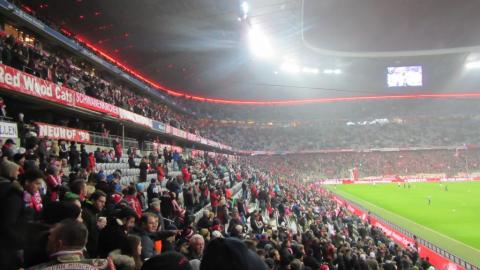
195	248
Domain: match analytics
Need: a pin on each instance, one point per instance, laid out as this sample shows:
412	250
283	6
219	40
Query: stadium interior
232	134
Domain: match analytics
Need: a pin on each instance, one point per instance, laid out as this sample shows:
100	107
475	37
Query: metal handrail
433	247
106	141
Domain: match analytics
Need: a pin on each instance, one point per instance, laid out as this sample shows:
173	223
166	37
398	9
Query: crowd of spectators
59	211
90	221
311	167
318	135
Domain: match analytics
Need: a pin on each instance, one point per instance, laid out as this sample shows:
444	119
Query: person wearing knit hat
167	260
9	170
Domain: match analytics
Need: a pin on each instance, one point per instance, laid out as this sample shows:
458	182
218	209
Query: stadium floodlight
290	67
332	71
259	43
245	8
310	70
472	65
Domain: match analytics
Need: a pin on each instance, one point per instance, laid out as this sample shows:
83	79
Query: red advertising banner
22	82
438	261
135	118
191	136
168	129
179	133
87	102
62	133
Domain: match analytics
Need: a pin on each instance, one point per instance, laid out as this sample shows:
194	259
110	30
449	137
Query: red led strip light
178	93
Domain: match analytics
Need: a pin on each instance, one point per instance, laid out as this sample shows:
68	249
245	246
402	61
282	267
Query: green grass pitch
451	221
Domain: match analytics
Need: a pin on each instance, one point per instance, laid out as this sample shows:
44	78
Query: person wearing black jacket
63	150
204	222
12	216
153	190
91	216
74	156
116	231
149	235
143	169
84	161
234	221
188	199
131	162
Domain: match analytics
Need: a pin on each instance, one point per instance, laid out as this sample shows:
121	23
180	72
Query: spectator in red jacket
186	175
118	150
133	201
91	164
160	172
214	200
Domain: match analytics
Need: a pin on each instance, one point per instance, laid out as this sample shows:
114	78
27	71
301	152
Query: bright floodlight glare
332	71
290	67
310	70
259	43
472	65
245	7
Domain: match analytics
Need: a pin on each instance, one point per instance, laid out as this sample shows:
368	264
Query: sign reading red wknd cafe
22	82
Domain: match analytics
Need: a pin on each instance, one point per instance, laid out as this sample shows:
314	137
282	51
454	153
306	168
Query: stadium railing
106	141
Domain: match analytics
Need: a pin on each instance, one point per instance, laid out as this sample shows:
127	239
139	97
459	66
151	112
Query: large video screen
404	76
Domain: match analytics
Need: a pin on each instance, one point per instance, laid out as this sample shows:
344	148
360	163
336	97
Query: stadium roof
202	47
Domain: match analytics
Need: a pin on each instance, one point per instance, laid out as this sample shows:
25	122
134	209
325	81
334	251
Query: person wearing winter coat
74	156
149	235
143	169
91	215
32	182
12	217
84	160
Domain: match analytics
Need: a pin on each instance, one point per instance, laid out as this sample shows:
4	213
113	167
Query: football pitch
451	221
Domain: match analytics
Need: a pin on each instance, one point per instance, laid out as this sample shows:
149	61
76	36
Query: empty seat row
111	166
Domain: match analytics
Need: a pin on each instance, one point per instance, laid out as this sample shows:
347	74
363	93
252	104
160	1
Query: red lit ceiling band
178	93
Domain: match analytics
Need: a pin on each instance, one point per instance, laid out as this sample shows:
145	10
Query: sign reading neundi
62	133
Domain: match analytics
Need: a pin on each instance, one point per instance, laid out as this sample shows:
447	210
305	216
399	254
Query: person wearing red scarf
32	182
